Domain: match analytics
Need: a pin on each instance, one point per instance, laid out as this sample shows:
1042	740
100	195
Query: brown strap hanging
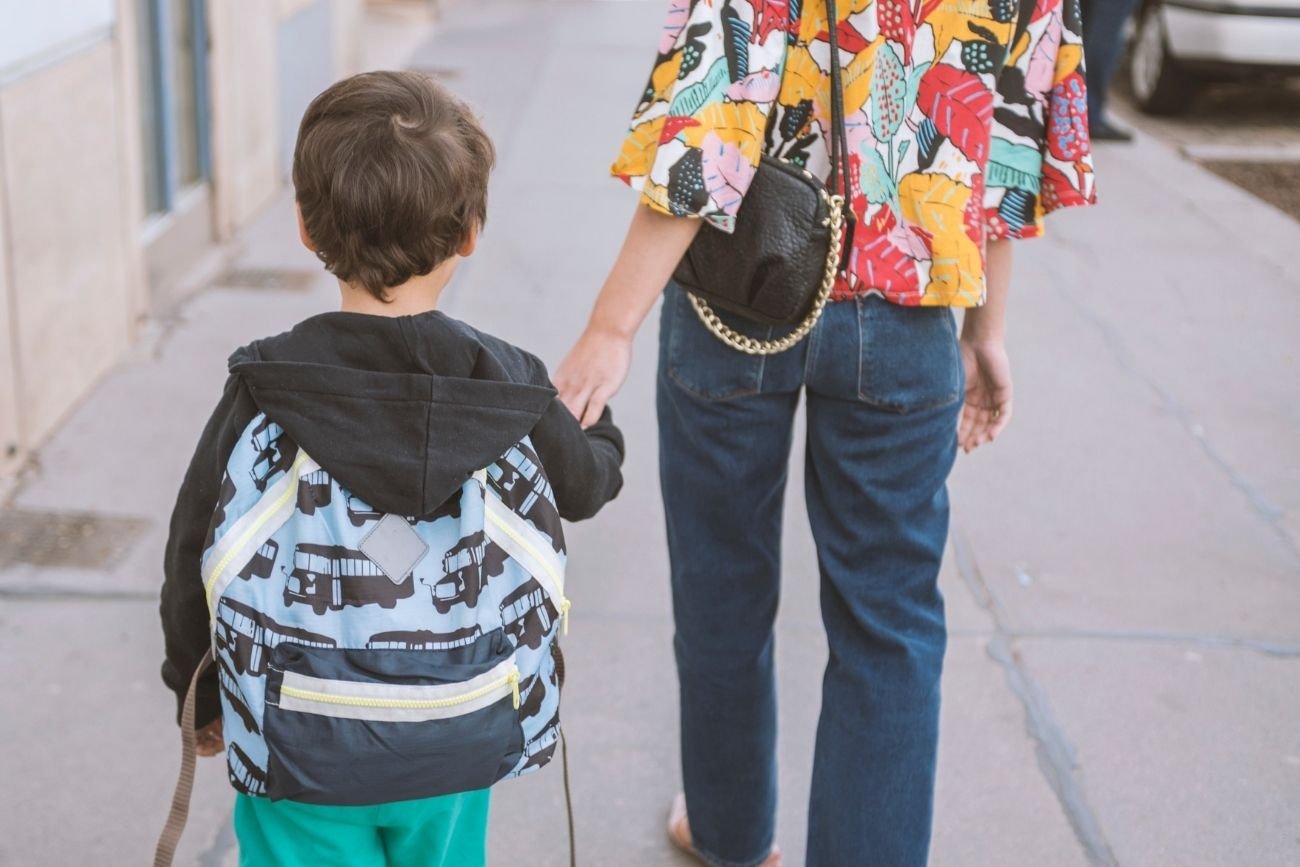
180	811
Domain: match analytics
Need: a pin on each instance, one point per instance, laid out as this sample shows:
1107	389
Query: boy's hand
209	741
988	393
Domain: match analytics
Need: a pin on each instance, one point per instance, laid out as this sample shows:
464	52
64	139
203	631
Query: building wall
348	53
9	436
305	65
74	280
269	59
36	33
130	171
245	146
69	302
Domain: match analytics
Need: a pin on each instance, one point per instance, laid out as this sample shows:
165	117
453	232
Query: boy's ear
467	246
302	229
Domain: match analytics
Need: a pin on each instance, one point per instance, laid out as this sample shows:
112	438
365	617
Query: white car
1178	44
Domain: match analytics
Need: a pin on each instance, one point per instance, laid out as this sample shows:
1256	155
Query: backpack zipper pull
513	678
564	617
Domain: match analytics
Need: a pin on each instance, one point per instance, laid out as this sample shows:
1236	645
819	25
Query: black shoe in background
1107	131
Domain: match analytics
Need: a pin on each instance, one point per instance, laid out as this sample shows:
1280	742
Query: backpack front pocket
354	727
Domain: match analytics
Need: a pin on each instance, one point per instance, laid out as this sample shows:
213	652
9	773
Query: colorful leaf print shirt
967	120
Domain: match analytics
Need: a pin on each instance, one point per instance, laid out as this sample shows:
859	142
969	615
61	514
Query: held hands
593	372
597	364
988	392
208	741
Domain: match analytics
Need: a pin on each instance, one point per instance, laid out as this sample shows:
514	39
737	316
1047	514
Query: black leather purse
780	264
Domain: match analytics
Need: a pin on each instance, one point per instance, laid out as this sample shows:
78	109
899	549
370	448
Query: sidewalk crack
1263	508
1209	642
1056	754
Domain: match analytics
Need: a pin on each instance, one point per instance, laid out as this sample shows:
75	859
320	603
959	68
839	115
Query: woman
966	123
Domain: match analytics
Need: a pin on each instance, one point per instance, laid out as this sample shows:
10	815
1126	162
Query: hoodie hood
400	410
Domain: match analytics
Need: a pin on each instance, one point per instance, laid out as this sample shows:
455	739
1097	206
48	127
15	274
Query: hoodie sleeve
183	608
582	465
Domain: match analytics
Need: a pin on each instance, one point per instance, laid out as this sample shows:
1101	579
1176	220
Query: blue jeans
884	385
1103	45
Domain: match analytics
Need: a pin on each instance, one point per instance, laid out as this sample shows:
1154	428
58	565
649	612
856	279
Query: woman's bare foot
679	831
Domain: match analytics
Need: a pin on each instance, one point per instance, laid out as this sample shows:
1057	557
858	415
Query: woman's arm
984	354
596	366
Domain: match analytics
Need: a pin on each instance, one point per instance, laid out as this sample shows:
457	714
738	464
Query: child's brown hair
391	173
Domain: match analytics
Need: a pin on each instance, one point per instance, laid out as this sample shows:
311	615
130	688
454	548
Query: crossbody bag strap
170	837
838	221
840	176
841	179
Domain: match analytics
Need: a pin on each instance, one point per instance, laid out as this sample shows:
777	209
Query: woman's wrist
608	320
654	244
982	325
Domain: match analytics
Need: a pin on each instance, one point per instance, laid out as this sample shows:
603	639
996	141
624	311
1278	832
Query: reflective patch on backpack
394	547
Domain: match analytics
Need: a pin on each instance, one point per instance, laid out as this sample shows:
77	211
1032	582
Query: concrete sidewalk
1123	681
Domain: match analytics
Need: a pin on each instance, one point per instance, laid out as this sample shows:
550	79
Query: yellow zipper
289	492
563	600
409	704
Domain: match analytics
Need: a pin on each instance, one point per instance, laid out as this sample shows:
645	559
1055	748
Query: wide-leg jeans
883	385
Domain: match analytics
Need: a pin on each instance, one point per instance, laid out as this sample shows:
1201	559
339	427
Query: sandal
679	832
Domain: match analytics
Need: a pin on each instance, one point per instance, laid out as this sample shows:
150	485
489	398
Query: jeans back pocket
909	358
695	360
356	727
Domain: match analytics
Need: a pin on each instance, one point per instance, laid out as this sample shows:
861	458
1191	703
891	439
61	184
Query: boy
368	536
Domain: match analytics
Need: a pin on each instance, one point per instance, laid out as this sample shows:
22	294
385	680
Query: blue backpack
364	657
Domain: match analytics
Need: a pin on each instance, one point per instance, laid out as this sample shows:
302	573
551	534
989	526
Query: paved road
1123	683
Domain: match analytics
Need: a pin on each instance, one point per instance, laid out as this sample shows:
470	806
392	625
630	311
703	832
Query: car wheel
1160	84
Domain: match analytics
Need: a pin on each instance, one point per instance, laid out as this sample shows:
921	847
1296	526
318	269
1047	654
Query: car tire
1160	85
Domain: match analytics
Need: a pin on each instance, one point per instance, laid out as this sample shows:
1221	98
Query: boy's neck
417	295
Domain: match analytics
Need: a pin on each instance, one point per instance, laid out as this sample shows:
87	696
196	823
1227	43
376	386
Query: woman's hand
596	366
593	372
988	392
984	355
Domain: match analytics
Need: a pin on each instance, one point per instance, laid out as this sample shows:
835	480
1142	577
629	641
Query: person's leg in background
1103	46
725	423
883	402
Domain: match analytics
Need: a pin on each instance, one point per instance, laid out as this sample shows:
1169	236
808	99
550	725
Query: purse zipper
506	684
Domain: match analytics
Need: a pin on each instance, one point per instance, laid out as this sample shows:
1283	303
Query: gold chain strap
752	346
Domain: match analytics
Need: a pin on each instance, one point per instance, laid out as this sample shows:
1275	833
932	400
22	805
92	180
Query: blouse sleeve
697	135
1041	155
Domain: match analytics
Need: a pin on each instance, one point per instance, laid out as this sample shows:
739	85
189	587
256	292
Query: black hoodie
401	411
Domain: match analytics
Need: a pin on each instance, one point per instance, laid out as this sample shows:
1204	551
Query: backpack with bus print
365	657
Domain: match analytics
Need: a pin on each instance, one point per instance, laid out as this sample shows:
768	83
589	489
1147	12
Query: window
173	87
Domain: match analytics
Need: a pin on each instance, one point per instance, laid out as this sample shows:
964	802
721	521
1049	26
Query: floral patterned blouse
967	120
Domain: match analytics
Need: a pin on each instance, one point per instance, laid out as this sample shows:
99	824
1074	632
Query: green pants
449	831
